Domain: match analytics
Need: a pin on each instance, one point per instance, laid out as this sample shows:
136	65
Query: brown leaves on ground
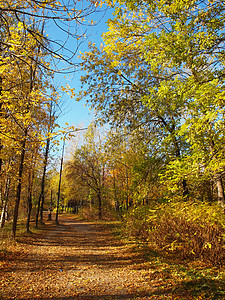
83	260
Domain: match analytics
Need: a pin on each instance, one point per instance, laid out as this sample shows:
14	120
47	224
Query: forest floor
85	260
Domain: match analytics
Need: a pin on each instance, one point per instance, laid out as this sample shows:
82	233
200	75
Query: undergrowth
91	213
186	230
6	232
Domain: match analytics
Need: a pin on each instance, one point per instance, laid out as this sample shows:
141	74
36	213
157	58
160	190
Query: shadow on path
83	260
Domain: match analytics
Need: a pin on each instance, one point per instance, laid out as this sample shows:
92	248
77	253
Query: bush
187	230
136	223
91	213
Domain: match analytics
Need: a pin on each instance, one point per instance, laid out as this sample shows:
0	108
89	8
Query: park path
77	260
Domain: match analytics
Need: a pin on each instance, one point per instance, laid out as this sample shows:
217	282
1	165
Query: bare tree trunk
30	189
38	210
220	191
44	173
117	206
50	210
3	214
99	206
5	203
219	182
59	187
41	197
127	187
19	186
29	199
29	206
1	146
185	189
207	190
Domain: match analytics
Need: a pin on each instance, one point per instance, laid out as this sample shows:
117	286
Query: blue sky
76	113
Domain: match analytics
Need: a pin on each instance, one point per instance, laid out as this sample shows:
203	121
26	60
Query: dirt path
77	260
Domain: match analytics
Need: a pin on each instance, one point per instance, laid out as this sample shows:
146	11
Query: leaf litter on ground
84	260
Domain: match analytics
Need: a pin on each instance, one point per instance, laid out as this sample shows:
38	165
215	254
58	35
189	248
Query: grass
5	232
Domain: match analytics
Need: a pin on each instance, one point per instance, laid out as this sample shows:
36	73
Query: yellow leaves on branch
115	64
98	3
20	25
70	91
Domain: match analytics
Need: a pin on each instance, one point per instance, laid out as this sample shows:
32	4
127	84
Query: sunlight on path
78	260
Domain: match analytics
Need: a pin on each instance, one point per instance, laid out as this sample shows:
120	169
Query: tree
115	175
22	101
131	95
169	56
70	18
88	168
29	54
132	170
50	126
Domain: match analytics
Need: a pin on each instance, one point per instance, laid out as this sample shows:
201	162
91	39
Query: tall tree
130	94
88	166
173	51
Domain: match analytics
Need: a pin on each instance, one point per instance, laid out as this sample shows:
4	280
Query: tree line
29	101
159	75
157	81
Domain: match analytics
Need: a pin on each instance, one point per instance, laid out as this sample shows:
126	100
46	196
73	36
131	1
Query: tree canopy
156	82
161	68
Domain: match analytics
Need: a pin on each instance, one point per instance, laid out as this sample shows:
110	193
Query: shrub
91	213
136	223
187	230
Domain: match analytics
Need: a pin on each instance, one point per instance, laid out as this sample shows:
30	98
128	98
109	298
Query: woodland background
154	155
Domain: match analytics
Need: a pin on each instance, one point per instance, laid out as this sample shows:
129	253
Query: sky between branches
73	112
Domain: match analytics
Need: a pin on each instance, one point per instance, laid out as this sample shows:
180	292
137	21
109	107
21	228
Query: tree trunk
171	130
219	182
185	189
41	197
127	188
50	210
117	206
38	210
3	214
207	190
30	190
44	174
5	202
29	206
99	206
19	186
29	200
220	191
1	146
59	187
